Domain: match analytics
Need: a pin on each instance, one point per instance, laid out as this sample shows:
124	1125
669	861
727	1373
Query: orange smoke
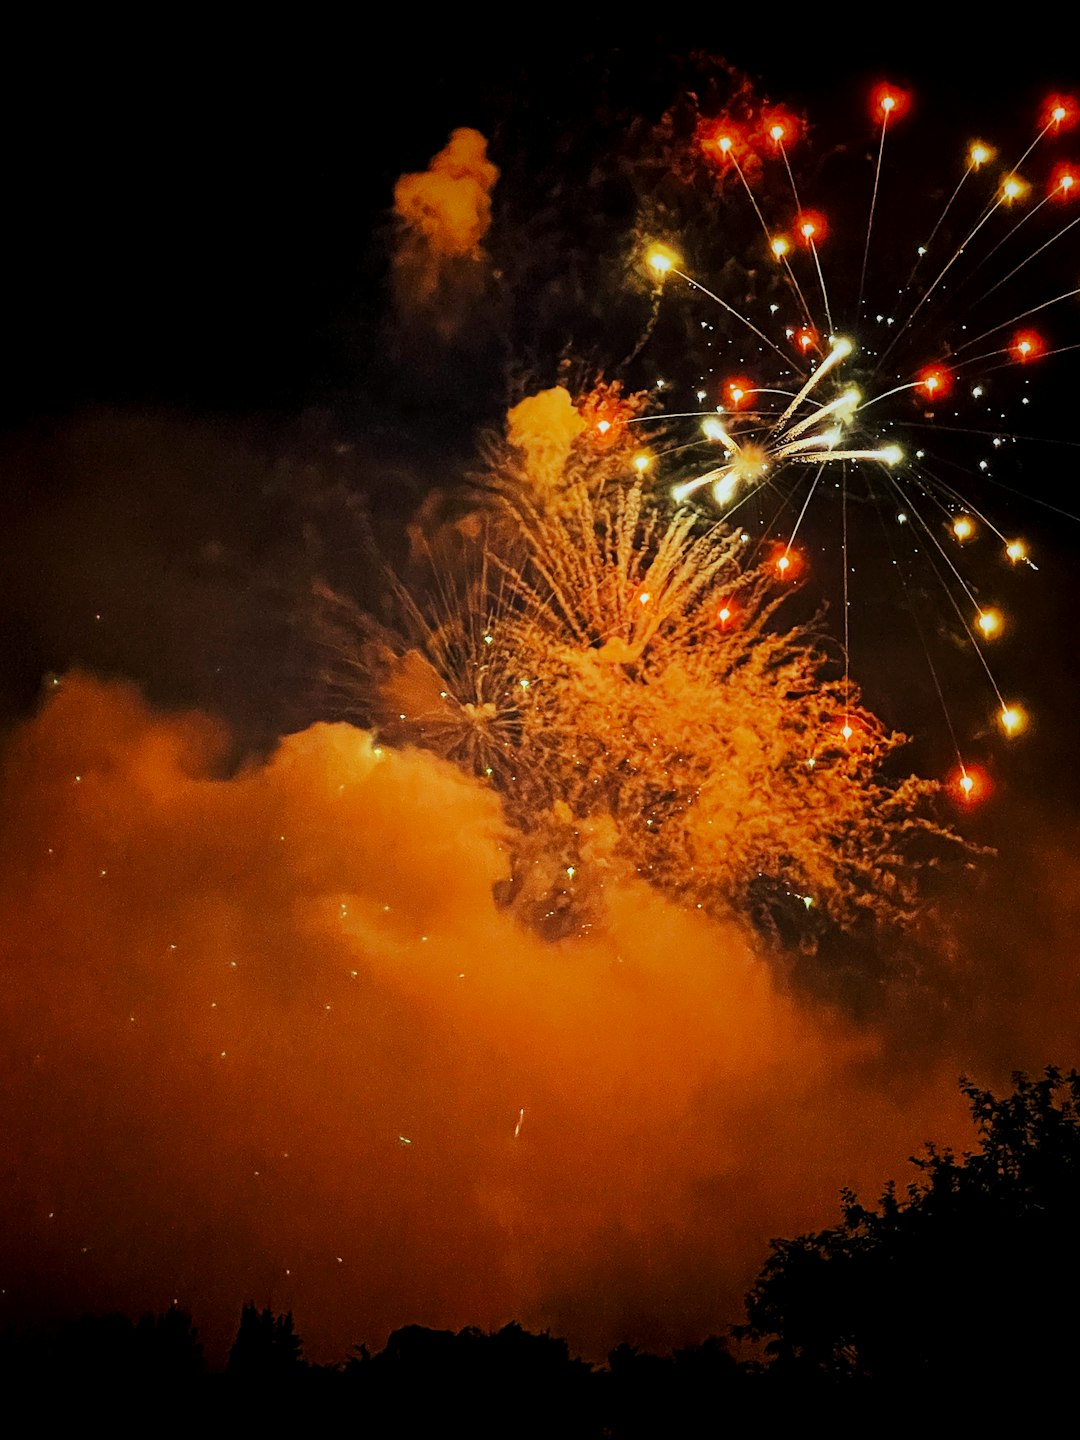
450	202
544	427
267	1035
445	213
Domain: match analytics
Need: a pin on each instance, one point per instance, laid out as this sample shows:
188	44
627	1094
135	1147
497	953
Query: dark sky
199	231
190	221
267	1036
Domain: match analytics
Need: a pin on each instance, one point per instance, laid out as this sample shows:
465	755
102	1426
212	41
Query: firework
435	676
622	676
872	390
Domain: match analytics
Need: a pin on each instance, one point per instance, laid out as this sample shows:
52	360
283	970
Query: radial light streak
840	430
753	453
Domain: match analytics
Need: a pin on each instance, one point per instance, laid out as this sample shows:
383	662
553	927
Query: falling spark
777	419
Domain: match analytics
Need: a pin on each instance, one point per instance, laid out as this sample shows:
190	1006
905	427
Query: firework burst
623	678
880	391
435	675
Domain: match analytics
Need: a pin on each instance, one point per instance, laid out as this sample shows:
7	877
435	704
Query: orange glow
737	392
889	102
148	1125
1016	550
780	246
726	614
989	622
935	382
781	127
1027	345
1060	111
810	225
724	140
605	414
806	338
787	562
1014	187
979	154
1063	182
853	727
968	785
1012	720
661	259
963	527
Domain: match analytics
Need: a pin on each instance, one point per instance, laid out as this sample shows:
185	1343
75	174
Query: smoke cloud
445	212
449	204
267	1035
544	427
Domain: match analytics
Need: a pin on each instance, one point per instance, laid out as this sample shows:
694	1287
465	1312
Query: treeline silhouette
958	1296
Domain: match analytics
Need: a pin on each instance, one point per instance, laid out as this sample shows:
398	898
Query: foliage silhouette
267	1349
959	1291
968	1277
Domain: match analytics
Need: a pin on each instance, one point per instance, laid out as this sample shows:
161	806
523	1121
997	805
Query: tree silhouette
509	1382
969	1279
267	1350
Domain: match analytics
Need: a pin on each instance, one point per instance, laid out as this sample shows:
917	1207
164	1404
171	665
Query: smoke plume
268	1035
445	212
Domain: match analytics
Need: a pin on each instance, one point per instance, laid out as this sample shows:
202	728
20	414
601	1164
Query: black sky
191	215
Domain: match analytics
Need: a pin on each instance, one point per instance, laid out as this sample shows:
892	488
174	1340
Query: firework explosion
274	1028
621	676
863	389
609	653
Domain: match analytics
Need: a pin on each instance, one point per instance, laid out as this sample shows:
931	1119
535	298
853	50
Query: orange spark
1063	182
810	225
1060	111
738	392
726	614
787	562
724	140
1026	345
1012	719
781	127
968	784
989	622
935	382
889	102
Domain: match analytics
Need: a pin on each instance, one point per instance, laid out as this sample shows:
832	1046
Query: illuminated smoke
544	427
445	212
623	677
276	1035
269	1035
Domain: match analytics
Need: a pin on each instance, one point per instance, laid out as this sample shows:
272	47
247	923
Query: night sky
266	1033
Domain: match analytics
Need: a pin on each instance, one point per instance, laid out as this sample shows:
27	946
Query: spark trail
791	410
